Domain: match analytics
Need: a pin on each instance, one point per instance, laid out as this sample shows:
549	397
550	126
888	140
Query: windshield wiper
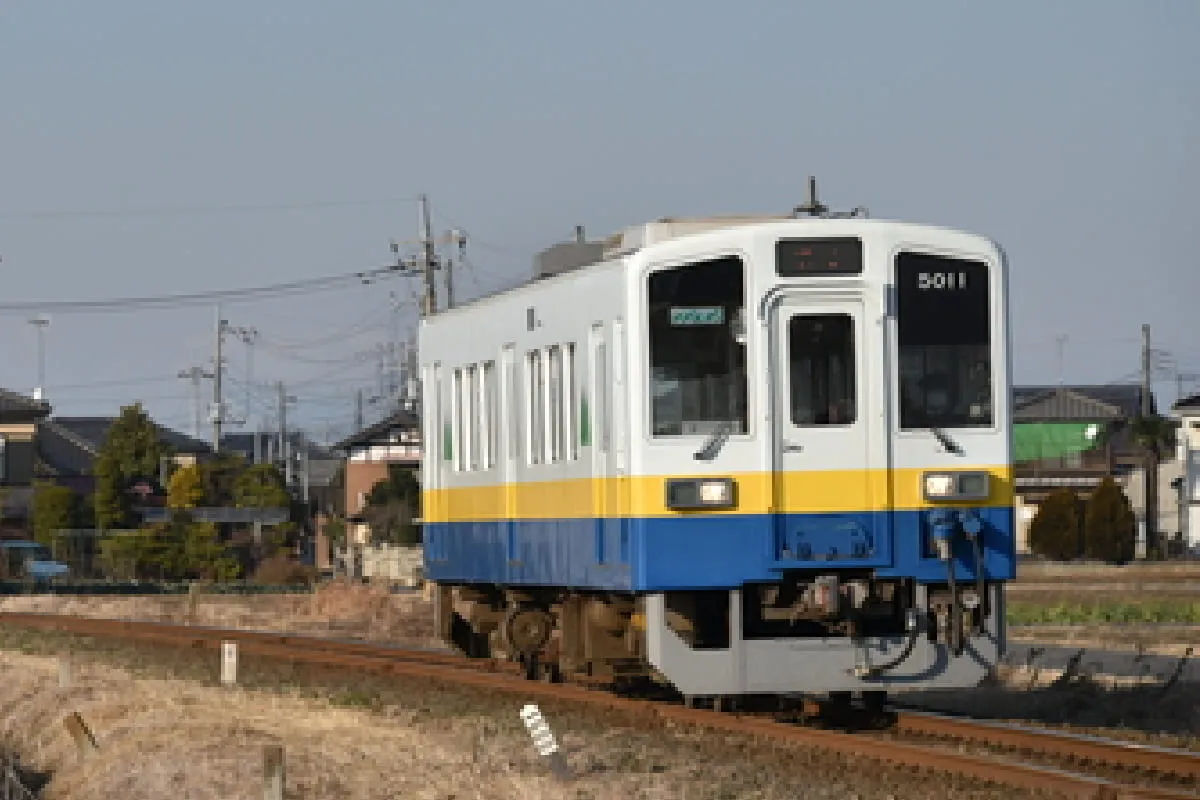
948	443
713	444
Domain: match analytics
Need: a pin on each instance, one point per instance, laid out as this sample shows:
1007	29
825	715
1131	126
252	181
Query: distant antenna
815	208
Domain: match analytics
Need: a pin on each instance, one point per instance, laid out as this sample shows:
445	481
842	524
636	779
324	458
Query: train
743	455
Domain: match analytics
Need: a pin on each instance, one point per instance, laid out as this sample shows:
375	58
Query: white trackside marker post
229	659
544	741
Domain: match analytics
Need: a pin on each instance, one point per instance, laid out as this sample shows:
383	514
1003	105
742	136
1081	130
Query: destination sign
713	315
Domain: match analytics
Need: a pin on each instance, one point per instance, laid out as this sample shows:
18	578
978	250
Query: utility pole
428	263
285	447
40	323
358	411
218	412
195	375
428	260
1151	454
1146	379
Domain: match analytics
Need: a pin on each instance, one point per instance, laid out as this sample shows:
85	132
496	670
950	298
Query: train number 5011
941	280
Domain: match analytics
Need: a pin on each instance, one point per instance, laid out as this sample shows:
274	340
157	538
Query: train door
823	473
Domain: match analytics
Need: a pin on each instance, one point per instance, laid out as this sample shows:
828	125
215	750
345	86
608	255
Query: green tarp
1033	441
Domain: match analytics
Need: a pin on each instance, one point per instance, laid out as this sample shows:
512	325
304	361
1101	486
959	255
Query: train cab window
943	315
697	354
821	369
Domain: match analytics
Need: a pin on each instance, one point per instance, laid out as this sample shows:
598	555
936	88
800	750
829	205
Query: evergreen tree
131	450
1054	532
1110	529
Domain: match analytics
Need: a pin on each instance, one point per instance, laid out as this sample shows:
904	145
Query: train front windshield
943	310
697	363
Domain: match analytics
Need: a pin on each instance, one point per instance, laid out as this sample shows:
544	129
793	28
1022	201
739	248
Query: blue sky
1068	131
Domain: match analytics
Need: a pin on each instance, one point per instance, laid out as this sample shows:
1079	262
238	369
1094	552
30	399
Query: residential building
369	453
20	417
67	448
1075	436
1187	489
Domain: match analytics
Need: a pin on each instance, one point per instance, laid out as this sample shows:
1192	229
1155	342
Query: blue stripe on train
695	552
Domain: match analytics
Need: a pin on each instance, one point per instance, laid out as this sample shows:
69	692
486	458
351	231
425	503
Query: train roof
565	258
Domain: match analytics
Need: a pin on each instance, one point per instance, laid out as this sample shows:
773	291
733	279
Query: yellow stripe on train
645	496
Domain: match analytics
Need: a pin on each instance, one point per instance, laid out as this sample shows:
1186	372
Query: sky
151	148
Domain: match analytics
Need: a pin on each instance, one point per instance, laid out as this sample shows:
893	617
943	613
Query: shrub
1054	532
1110	530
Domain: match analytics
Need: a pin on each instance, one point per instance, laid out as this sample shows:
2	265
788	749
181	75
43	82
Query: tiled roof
93	430
377	433
1111	401
12	402
68	445
1192	402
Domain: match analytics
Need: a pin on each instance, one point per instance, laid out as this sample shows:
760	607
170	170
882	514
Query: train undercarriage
810	634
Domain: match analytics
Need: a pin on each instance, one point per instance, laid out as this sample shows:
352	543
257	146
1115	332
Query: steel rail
456	671
1094	749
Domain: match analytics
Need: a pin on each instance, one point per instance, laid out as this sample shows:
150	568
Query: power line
178	210
168	301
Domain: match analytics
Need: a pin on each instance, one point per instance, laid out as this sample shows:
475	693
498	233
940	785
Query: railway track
914	739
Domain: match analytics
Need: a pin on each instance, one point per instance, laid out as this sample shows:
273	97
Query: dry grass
366	738
343	609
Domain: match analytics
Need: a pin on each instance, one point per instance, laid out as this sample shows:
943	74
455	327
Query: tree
1054	532
219	476
54	507
335	531
1110	529
392	505
131	450
172	550
185	489
260	486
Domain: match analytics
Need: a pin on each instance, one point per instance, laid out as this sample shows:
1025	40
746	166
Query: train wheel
526	630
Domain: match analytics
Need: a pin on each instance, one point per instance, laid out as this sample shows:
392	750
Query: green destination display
714	315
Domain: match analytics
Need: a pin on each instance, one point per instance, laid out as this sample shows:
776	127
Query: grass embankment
1151	611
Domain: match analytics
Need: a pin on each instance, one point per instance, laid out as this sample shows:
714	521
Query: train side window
601	399
471	404
512	427
821	369
534	422
456	419
555	402
571	405
487	438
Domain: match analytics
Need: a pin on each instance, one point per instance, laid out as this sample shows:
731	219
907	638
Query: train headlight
696	493
956	485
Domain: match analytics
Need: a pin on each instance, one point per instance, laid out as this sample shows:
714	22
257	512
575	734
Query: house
67	448
1187	490
1075	436
20	417
369	453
